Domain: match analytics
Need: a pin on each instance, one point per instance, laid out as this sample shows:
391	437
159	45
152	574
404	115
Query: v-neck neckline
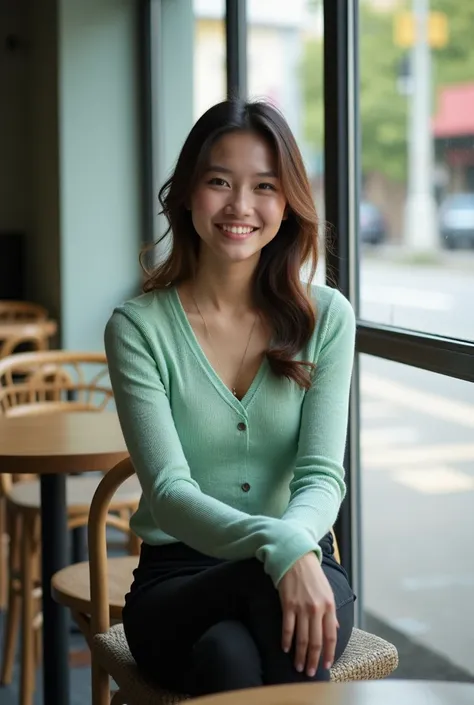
211	373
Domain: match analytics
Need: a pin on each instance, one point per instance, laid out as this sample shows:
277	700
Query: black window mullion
434	353
341	185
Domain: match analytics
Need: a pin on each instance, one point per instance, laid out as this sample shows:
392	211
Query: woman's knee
225	658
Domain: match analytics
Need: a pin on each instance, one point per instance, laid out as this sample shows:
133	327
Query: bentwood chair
28	327
21	312
45	383
95	593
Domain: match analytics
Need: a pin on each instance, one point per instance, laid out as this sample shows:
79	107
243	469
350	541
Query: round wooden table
387	692
53	446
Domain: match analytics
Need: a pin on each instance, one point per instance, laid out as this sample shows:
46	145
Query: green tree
455	63
383	107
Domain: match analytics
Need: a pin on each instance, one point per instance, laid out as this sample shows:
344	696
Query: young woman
231	380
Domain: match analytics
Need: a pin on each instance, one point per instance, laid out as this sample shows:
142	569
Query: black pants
199	625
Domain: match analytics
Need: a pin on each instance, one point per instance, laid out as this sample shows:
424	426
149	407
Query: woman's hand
309	614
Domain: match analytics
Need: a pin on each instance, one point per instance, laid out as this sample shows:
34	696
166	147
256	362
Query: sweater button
241	426
245	487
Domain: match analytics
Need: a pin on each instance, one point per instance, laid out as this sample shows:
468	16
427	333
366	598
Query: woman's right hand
309	614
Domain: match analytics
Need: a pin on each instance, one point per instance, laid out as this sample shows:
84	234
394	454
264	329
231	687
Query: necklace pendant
234	391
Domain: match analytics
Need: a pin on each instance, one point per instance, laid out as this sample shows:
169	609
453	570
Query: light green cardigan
233	479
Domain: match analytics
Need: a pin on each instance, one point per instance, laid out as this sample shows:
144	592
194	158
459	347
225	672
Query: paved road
434	299
418	466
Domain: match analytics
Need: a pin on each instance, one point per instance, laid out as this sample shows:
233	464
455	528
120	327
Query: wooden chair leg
100	684
38	646
12	620
27	674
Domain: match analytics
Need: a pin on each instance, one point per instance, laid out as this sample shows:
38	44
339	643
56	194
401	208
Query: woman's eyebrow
225	170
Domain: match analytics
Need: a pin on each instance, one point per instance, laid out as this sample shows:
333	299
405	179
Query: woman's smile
237	231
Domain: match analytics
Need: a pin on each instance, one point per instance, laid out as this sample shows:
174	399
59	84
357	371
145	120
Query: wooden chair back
50	382
97	542
21	312
53	380
34	335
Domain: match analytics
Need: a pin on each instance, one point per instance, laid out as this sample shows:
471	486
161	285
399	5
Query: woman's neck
224	289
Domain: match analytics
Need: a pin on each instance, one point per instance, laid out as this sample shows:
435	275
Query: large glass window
417	160
417	461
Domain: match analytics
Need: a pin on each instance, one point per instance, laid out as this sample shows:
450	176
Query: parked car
372	228
456	221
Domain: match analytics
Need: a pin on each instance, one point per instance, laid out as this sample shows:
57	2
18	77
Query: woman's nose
240	204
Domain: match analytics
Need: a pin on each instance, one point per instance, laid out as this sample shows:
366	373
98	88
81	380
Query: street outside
417	461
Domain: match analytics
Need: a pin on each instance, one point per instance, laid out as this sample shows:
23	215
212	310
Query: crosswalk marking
409	625
440	581
375	410
459	412
388	436
377	458
439	479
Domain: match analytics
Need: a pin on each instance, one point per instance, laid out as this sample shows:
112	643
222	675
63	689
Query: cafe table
385	692
53	446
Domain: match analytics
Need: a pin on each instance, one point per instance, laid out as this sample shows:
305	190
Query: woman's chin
233	253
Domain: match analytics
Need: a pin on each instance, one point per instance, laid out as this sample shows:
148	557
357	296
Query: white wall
100	171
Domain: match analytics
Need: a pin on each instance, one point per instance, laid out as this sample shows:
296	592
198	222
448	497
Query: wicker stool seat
367	657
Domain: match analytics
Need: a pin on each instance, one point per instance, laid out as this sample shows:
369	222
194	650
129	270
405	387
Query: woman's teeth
237	230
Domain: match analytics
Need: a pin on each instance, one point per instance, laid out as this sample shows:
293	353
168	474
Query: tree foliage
383	107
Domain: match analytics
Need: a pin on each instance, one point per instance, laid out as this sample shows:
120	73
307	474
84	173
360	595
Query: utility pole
421	221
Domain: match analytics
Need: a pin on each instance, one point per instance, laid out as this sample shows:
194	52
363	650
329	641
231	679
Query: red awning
455	117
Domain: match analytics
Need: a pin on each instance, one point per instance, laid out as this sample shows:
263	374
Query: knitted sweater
261	477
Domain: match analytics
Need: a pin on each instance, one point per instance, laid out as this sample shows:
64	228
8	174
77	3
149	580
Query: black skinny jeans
200	625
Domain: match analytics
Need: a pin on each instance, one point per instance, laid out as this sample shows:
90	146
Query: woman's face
238	205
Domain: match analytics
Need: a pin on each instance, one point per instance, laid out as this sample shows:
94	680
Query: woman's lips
237	232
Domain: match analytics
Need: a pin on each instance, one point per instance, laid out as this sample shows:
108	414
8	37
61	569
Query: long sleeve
318	488
175	501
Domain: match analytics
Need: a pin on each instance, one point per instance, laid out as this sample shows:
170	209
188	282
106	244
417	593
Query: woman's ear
286	213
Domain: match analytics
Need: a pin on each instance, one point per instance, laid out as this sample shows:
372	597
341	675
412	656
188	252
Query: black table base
54	536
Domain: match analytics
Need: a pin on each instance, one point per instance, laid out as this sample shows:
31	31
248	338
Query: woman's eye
216	181
266	187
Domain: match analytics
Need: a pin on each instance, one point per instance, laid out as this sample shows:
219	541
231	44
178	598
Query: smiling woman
218	182
231	380
231	204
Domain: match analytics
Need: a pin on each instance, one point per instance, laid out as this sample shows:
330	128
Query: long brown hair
279	293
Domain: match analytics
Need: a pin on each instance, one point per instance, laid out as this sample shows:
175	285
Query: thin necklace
234	387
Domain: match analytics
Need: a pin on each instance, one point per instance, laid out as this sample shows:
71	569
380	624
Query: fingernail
285	649
328	665
299	668
311	672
